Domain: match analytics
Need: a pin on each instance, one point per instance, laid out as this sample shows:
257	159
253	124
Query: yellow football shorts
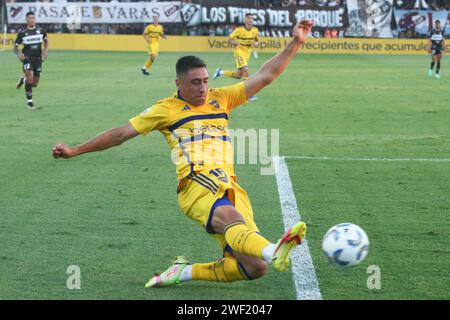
153	49
241	57
201	191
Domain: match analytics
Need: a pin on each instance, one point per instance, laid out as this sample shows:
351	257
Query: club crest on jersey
215	104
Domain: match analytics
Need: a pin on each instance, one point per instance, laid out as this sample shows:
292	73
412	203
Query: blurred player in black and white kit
436	46
31	56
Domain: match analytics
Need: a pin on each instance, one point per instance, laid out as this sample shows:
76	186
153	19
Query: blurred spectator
220	30
334	33
212	30
287	3
421	4
192	31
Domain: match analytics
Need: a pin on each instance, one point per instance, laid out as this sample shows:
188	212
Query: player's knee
256	269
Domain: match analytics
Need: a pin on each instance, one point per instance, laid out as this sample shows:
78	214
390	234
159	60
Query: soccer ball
345	245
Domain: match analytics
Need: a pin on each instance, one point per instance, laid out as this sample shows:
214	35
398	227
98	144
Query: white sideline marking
305	278
368	159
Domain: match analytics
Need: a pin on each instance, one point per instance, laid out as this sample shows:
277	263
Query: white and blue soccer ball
346	245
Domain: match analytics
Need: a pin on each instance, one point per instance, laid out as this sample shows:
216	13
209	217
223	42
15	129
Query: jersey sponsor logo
33	39
437	37
206	128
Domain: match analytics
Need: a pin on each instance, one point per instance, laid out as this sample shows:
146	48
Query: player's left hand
256	44
302	29
45	55
61	150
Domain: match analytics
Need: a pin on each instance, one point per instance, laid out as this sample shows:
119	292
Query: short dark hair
248	14
437	21
186	63
30	13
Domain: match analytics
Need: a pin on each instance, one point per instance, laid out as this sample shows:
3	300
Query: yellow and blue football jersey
198	136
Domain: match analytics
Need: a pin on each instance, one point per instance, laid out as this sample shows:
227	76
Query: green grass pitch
115	213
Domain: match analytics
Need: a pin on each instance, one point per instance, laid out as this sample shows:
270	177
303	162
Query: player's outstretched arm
108	139
272	68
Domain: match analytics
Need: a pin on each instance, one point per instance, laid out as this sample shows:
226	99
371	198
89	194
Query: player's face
248	22
155	19
31	21
437	25
193	86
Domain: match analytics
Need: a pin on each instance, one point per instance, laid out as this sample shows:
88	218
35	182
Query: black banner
281	17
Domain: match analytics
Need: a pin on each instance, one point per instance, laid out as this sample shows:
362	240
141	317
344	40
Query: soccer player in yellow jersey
194	121
151	34
244	38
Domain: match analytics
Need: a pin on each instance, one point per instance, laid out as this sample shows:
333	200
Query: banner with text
221	44
94	12
369	18
214	13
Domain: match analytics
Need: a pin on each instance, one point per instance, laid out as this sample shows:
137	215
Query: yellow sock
228	73
241	239
223	270
148	64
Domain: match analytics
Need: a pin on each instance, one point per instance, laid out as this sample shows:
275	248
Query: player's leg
433	62
232	267
438	64
153	51
147	65
29	80
21	81
236	232
253	268
35	81
236	224
240	61
37	69
226	269
237	74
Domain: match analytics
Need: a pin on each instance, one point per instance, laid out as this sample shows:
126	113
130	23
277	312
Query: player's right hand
21	57
61	150
302	29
